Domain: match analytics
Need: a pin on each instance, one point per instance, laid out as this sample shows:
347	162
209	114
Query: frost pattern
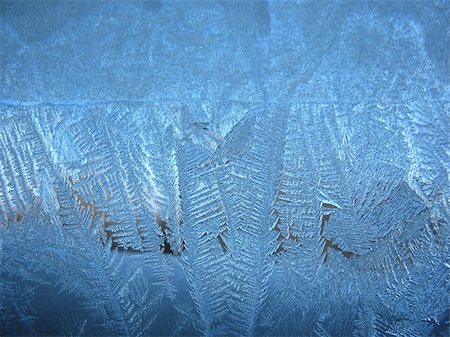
248	194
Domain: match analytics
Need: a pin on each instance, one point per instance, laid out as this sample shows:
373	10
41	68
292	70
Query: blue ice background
262	168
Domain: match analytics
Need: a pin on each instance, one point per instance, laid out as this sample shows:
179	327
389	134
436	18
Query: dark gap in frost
330	243
222	243
166	248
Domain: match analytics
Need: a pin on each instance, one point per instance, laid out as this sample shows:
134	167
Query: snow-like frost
245	168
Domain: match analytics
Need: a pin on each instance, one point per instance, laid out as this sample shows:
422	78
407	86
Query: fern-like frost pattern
256	168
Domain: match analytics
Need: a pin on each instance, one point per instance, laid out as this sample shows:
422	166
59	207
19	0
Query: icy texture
224	168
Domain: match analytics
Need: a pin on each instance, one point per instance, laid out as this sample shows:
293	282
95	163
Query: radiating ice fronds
255	168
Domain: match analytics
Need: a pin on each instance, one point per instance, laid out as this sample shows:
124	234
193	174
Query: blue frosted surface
224	168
